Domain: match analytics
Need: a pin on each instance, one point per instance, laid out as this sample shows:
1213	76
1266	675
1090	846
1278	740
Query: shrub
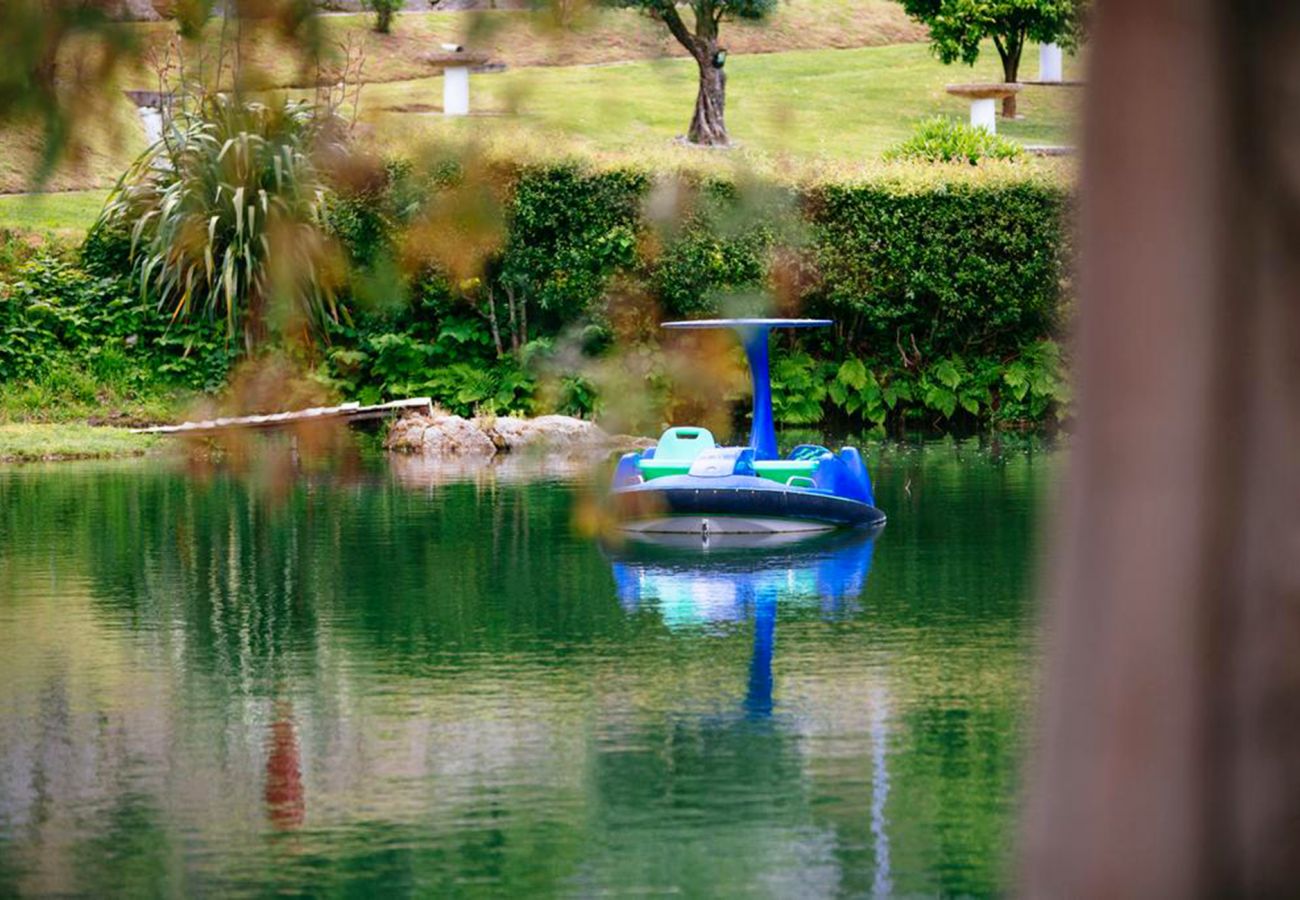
720	248
223	216
946	288
946	285
955	267
945	140
569	230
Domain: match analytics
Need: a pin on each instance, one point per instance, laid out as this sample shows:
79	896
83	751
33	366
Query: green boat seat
782	470
675	452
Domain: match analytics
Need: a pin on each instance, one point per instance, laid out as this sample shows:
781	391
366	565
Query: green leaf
853	374
947	373
939	398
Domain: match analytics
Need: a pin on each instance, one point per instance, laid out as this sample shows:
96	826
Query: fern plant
224	215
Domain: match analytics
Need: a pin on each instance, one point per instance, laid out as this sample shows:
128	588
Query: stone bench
983	99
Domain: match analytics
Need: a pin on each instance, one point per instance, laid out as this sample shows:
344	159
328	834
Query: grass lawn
522	38
67	214
845	105
109	134
786	110
31	442
103	145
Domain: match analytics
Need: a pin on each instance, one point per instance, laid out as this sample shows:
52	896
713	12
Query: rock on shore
443	435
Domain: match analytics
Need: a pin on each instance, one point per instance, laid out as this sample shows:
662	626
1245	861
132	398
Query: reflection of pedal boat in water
687	484
692	580
721	578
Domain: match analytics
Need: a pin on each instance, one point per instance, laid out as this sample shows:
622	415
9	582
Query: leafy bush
719	249
961	268
223	216
941	139
80	344
569	230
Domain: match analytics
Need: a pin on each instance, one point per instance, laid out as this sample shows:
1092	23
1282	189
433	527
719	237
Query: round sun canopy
749	323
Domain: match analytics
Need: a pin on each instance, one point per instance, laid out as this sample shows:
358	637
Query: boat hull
685	504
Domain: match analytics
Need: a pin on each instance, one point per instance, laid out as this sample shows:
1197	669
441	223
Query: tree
1170	718
708	125
384	10
958	26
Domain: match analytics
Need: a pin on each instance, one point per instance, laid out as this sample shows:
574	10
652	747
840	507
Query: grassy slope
105	144
112	136
520	38
844	105
64	214
30	442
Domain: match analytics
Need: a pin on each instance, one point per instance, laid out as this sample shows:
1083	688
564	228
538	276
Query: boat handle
790	482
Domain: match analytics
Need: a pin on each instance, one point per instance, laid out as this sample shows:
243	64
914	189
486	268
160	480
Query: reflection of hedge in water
478	598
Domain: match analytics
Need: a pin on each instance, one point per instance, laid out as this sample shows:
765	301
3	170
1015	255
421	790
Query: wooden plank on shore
347	412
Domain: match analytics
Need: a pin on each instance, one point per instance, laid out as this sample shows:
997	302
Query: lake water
391	680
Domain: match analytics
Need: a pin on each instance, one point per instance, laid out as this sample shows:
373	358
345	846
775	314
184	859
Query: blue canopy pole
753	334
762	429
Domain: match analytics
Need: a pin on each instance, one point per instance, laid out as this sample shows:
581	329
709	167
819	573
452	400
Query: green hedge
947	284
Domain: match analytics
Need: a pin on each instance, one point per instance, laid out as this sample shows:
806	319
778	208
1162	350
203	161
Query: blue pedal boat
686	484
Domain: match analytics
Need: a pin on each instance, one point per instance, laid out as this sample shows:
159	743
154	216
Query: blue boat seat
809	451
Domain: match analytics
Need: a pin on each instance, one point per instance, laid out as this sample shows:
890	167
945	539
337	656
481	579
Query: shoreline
34	442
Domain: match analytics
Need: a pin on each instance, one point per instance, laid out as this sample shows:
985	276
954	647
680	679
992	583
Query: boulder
552	433
439	435
442	435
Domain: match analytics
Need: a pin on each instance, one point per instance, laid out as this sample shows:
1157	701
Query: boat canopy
753	335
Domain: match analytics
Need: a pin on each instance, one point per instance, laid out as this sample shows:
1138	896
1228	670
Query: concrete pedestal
1049	62
984	114
455	91
153	124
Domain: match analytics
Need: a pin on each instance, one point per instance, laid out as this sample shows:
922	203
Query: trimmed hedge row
946	284
538	288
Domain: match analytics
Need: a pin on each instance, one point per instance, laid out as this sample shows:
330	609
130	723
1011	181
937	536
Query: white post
983	114
153	124
1049	62
455	91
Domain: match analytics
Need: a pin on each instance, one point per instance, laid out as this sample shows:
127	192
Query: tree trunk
708	125
1010	53
1170	723
1010	74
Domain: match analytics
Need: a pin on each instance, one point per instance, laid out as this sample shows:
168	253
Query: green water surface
403	681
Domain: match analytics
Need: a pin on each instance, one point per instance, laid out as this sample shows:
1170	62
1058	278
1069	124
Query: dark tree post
708	124
1168	763
1009	49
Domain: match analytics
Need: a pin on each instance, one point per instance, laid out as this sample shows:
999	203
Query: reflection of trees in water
468	697
728	787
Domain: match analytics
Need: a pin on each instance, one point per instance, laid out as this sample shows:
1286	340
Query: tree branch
1002	51
668	12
